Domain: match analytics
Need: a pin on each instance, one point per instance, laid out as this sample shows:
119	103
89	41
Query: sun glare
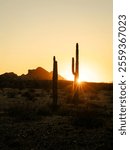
85	74
79	81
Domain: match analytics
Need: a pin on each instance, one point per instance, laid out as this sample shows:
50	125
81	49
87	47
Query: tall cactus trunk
77	63
75	71
55	82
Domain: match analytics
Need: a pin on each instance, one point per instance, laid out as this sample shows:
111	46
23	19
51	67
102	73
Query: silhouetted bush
44	111
28	111
23	112
29	95
11	94
89	118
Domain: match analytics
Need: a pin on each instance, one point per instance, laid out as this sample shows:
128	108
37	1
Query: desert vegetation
28	120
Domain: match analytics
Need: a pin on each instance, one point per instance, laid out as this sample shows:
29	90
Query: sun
86	74
79	81
82	76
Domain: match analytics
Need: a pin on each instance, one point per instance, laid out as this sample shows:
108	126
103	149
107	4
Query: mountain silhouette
9	76
38	74
33	74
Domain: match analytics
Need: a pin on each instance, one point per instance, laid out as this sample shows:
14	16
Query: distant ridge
37	74
9	75
33	74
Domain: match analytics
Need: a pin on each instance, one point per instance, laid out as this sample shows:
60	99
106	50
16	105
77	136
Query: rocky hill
33	74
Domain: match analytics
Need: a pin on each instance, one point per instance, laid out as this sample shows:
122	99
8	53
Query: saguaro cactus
76	65
75	71
55	81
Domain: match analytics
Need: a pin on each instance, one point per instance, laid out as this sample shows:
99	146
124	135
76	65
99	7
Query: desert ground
29	122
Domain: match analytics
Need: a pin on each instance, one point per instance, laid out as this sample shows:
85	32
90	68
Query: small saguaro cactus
75	71
55	81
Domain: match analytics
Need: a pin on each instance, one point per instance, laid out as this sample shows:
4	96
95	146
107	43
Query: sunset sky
33	31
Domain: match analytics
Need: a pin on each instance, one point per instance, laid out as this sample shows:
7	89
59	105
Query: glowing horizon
33	31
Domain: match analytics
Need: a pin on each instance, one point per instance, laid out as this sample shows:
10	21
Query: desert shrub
29	111
23	111
11	93
29	95
44	110
1	91
69	109
92	95
88	118
69	99
65	110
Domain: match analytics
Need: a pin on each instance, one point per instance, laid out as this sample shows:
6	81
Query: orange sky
33	31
